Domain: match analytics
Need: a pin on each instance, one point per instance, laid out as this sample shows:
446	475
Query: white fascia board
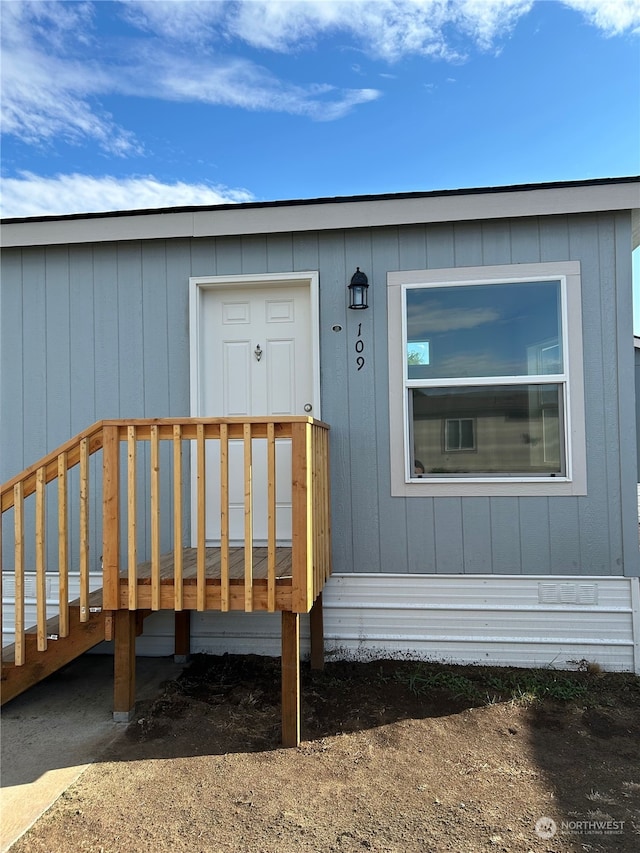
327	215
427	209
107	229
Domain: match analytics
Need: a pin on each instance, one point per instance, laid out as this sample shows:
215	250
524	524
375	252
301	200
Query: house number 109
360	348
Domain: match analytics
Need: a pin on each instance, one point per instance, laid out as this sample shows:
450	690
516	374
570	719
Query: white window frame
574	481
460	449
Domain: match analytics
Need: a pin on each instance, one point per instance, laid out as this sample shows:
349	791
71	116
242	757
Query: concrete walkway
55	730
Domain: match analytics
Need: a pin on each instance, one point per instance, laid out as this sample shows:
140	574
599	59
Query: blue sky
110	105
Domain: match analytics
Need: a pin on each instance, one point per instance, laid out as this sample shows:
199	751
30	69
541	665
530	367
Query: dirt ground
397	757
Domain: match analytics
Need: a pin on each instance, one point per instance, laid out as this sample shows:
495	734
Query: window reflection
489	430
511	329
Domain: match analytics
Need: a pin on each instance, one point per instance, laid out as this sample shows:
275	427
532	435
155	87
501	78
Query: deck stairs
112	502
60	651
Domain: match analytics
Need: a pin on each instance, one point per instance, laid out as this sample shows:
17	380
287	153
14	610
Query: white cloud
240	83
177	20
55	70
613	17
33	195
478	364
54	73
485	21
387	29
46	94
449	319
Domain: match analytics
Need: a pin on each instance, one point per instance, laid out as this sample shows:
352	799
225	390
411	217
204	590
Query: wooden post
41	563
224	518
132	520
124	660
290	678
18	595
109	617
248	519
182	636
63	548
155	517
85	529
111	518
316	625
271	517
178	580
301	545
201	580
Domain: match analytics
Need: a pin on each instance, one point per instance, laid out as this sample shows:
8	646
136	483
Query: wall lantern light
358	290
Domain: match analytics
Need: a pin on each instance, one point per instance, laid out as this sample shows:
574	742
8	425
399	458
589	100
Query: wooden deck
238	561
147	467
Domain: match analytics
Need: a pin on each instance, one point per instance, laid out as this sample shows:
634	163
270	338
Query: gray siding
637	374
101	331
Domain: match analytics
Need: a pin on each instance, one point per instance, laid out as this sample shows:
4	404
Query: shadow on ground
589	752
396	756
234	703
581	729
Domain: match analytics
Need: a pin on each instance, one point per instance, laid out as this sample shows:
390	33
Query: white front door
256	359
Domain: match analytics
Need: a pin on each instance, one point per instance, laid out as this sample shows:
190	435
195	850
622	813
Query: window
459	434
484	388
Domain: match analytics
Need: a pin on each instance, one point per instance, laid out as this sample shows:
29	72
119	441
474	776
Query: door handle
308	407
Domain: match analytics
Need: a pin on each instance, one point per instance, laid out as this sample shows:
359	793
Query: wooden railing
134	453
14	494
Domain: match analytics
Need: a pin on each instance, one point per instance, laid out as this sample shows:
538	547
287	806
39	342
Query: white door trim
198	285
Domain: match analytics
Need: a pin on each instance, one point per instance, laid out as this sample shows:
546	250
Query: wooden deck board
213	566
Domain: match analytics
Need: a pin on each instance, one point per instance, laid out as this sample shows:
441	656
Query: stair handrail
33	480
50	462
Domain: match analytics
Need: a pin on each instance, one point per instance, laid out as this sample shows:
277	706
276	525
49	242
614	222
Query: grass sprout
484	686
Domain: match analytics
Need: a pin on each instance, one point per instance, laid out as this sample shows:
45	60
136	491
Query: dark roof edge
109	214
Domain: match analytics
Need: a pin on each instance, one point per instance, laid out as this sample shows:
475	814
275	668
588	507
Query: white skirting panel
236	632
506	620
499	620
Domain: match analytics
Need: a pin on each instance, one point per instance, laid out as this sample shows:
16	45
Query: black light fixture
358	290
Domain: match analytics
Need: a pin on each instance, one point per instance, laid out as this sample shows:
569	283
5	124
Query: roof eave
328	214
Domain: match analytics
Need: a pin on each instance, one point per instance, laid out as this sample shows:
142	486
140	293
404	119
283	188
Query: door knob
308	407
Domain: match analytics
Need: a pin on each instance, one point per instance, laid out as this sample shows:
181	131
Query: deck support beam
290	678
182	636
124	659
316	627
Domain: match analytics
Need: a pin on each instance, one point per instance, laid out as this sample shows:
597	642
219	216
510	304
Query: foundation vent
567	593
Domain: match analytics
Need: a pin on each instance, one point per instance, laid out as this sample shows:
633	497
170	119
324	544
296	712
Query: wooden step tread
53	624
59	652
